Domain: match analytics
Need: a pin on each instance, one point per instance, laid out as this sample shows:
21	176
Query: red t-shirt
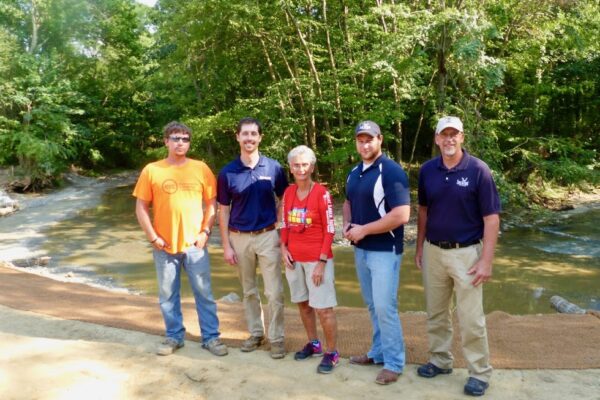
307	225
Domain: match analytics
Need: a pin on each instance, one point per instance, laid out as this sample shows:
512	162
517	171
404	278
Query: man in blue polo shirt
374	213
458	224
246	191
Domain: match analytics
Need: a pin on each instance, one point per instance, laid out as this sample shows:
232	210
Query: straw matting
525	342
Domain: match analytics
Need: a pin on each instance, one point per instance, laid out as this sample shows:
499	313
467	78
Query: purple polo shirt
250	192
457	199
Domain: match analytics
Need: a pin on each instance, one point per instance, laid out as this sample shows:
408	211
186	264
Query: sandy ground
43	357
48	358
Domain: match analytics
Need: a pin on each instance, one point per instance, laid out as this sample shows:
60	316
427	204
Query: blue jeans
379	275
168	271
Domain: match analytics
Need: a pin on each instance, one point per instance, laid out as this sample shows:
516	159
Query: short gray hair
299	150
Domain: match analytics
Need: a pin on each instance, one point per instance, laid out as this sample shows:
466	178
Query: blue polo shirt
372	193
249	192
457	199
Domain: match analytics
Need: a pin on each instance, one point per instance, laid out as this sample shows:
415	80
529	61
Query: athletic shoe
328	363
311	349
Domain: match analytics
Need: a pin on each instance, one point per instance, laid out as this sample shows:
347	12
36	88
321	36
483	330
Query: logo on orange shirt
169	186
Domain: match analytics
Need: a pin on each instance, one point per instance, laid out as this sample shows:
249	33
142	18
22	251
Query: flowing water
105	245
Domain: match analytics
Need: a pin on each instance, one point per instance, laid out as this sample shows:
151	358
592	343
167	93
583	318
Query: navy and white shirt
457	199
372	193
250	192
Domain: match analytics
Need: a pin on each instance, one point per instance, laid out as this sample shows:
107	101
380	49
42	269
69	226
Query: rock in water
564	306
31	262
7	205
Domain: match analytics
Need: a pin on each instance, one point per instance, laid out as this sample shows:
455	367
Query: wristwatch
207	231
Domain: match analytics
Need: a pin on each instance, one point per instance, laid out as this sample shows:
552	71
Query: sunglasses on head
184	139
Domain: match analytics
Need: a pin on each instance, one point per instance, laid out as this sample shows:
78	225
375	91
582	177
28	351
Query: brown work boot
363	359
168	347
385	377
252	343
277	350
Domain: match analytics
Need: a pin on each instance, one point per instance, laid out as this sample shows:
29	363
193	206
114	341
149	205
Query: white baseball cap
449	122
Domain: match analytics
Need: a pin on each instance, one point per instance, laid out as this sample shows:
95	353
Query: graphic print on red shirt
308	225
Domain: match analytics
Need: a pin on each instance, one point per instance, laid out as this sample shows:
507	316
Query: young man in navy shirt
375	211
247	191
458	224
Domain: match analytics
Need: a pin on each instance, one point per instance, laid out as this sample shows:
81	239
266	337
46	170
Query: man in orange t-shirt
177	187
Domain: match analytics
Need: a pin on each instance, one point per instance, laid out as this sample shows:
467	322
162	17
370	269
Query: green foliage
92	83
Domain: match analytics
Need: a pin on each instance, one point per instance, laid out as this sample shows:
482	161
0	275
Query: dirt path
43	358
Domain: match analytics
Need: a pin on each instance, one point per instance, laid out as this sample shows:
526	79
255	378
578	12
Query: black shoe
430	370
475	387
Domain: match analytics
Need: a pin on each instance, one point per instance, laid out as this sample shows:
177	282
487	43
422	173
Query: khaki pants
443	272
263	248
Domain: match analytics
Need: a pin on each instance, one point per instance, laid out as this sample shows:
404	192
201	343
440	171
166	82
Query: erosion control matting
524	342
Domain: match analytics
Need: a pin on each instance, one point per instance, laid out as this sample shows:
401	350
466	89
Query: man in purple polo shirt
247	189
458	224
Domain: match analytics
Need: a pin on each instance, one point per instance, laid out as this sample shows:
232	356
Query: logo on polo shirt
463	182
264	178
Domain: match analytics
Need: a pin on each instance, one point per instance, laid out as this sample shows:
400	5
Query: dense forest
91	83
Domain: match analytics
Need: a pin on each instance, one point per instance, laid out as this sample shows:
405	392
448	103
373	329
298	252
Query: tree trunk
272	74
309	120
35	25
347	39
314	72
336	87
442	74
397	126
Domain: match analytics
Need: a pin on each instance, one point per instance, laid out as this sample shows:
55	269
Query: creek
103	245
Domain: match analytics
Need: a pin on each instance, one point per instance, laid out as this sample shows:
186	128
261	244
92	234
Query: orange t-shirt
176	193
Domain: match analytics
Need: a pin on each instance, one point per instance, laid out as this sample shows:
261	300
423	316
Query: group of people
264	220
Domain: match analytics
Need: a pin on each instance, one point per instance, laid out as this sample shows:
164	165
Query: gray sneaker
216	347
277	350
168	346
252	343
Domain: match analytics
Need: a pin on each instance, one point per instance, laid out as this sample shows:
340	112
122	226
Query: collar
461	166
377	161
260	163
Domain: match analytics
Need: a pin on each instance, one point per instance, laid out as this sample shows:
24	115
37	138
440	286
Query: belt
453	245
257	232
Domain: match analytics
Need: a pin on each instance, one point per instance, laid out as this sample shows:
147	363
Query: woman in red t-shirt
306	236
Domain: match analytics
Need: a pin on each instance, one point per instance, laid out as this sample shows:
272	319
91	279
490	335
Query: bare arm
279	209
396	217
482	269
288	260
210	213
228	252
142	212
421	229
346	216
